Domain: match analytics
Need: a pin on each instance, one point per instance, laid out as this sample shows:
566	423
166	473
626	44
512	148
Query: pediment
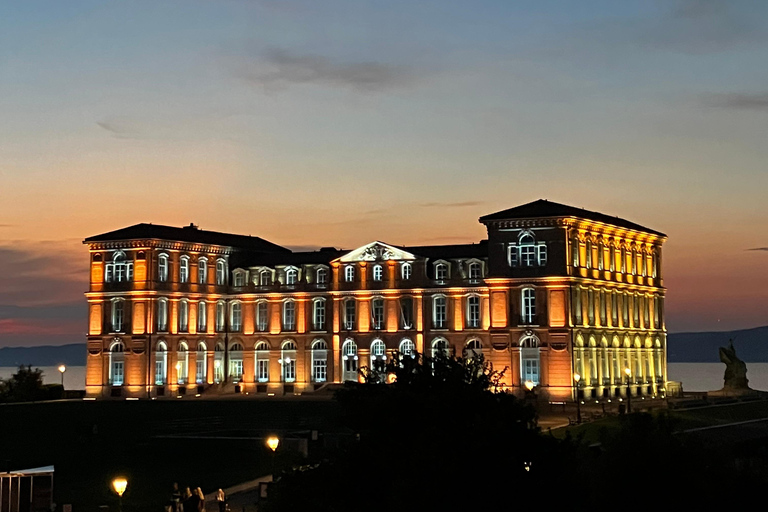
376	251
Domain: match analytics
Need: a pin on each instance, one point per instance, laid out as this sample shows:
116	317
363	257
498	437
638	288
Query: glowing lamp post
629	391
62	369
273	442
577	379
529	385
118	485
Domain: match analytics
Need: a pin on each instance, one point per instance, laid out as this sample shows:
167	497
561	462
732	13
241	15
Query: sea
694	376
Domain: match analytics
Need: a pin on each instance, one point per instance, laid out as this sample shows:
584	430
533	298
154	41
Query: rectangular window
239	279
439	312
221	272
349	314
473	312
377	313
184	270
202	320
542	255
117	316
577	313
162	316
265	278
261	316
117	373
262	369
512	255
160	371
531	370
162	268
200	369
319	370
614	310
220	317
319	315
528	255
183	316
237	317
603	309
289	369
289	316
591	307
441	272
202	271
406	313
529	306
236	369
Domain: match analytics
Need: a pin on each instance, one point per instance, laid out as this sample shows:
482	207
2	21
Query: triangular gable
376	251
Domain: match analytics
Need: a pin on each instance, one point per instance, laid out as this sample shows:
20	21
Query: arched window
349	273
319	361
439	347
201	363
318	314
202	270
221	315
405	271
262	361
349	314
262	316
349	360
527	250
221	272
288	360
322	275
161	364
439	312
236	362
407	348
378	355
291	274
182	364
117	363
265	278
289	315
202	317
473	349
183	316
119	270
162	315
218	363
162	268
529	306
378	272
184	269
473	312
441	272
475	272
377	313
118	314
236	318
529	359
239	277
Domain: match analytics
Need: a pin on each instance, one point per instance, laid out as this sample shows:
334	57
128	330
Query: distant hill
70	355
702	347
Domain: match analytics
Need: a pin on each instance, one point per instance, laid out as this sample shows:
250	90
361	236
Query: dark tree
26	385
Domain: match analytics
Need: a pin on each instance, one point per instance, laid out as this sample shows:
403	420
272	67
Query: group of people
193	500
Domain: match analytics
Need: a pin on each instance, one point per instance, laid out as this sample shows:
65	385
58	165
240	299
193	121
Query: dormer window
239	278
527	252
349	273
441	271
321	276
265	278
378	272
405	271
475	272
291	274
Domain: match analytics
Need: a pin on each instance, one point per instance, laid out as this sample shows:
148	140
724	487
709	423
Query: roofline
646	231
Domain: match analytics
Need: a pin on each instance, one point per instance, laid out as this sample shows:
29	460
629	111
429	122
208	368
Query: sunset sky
314	123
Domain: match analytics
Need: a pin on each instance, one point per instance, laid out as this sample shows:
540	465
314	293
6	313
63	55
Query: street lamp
529	385
577	379
273	442
62	369
629	391
119	484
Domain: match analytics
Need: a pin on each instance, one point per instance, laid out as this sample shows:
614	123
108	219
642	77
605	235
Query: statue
735	369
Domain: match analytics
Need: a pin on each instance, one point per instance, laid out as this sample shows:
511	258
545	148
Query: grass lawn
91	442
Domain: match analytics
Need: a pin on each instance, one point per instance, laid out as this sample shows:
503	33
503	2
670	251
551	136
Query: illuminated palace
554	292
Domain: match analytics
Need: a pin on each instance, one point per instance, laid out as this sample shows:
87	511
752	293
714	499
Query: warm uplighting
273	442
529	385
119	484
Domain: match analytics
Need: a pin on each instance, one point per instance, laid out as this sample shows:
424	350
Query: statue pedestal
734	392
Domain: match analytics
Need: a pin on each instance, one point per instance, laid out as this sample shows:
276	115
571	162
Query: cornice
160	244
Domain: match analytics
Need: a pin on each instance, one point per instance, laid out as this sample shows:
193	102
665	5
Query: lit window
377	272
262	362
439	312
236	362
161	364
318	314
119	270
349	314
349	360
439	347
377	313
322	276
406	313
405	271
290	276
117	315
349	273
117	363
473	349
220	316
237	317
475	272
529	306
162	315
183	316
289	315
473	312
162	268
441	271
407	348
202	316
201	363
239	279
182	364
527	251
221	272
529	359
184	269
218	363
378	355
202	270
265	278
261	316
319	361
288	360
